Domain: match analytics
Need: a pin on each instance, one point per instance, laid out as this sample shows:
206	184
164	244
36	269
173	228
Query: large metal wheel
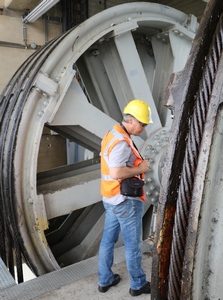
77	86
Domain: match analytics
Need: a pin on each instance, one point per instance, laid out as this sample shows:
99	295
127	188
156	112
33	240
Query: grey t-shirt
120	156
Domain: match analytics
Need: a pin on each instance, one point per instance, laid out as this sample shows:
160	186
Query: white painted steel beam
39	10
67	199
76	110
135	74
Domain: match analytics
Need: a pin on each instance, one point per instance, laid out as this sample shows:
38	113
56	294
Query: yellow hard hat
140	110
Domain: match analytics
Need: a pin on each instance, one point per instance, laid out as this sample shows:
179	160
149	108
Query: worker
122	173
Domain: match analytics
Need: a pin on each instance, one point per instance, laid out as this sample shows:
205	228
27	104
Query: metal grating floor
46	285
6	279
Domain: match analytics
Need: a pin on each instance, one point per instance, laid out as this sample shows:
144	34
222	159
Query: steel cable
190	163
12	239
12	102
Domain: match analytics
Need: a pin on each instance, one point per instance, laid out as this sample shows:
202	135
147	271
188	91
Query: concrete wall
96	6
13	50
52	152
11	59
15	47
19	4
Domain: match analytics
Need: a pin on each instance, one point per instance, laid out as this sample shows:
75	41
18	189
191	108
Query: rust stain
164	246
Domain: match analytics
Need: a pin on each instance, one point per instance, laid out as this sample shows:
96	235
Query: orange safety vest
109	186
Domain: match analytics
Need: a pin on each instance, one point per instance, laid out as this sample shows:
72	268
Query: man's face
137	127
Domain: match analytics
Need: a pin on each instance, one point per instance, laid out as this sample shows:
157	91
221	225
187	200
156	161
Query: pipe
32	46
39	10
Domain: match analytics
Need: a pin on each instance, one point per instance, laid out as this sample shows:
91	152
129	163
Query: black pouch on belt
132	187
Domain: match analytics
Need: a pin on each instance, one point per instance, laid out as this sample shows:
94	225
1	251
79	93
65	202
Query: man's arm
126	172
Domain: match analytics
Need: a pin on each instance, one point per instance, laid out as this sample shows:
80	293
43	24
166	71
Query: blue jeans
127	218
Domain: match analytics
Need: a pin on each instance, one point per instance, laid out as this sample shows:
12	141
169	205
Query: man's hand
126	172
144	166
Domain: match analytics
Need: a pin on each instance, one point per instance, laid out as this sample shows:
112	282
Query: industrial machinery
187	261
76	87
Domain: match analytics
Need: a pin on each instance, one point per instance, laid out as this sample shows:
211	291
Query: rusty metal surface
192	94
189	287
190	162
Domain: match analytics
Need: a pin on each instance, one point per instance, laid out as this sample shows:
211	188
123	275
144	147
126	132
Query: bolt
40	113
45	103
156	193
33	45
95	52
151	187
30	201
153	200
